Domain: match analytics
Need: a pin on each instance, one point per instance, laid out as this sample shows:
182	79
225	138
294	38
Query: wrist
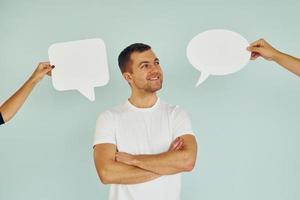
33	80
277	56
136	161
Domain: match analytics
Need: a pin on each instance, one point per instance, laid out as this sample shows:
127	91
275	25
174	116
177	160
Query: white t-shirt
144	131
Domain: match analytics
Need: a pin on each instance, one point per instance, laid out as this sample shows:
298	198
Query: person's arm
265	50
1	119
14	103
167	163
110	171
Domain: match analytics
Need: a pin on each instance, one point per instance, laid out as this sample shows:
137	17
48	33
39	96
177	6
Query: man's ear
127	76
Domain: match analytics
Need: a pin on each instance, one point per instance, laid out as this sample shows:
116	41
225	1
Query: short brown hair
124	56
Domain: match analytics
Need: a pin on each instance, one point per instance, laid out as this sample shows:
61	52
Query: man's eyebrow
143	62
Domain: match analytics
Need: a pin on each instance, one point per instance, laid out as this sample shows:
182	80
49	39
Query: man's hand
42	69
177	144
263	49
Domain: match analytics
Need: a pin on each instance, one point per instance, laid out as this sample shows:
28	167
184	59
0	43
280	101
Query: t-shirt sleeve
1	119
105	129
181	123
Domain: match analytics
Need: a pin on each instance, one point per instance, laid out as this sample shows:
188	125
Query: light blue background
247	123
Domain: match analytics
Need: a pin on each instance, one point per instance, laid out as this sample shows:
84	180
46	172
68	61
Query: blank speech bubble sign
79	65
217	52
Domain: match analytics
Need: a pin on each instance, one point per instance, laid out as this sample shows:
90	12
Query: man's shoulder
171	107
115	110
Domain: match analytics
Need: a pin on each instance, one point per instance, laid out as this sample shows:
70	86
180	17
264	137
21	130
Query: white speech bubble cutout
79	65
218	52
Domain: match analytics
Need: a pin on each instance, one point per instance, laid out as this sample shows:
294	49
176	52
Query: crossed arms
122	168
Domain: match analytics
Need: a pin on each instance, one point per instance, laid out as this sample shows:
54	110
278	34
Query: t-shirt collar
132	107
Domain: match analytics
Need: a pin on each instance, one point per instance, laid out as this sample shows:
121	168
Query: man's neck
143	100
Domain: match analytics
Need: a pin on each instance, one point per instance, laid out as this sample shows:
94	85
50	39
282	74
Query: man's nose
153	67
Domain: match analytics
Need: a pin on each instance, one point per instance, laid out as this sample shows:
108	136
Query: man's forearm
166	163
170	162
120	173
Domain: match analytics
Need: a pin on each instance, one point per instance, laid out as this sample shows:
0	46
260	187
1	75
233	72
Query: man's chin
155	89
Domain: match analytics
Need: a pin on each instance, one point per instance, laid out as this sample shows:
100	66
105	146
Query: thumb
48	69
254	49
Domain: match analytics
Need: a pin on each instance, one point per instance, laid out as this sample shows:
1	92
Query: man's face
146	74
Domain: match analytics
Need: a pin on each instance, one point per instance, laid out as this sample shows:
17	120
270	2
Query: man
15	102
142	145
265	50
